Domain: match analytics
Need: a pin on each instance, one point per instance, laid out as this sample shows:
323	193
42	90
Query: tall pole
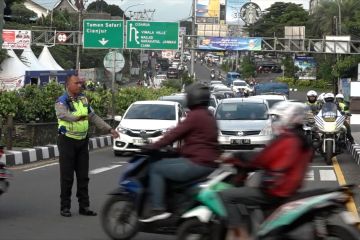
192	36
339	6
79	40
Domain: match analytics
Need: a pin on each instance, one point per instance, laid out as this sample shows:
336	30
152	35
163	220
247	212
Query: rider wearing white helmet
311	101
284	162
344	110
329	97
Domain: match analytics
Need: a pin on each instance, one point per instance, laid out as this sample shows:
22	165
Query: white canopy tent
30	60
12	72
47	60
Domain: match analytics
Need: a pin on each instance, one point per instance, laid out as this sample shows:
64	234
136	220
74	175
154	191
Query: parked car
152	118
243	123
271	98
172	72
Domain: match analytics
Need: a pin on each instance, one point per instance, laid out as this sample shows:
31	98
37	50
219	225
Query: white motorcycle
329	123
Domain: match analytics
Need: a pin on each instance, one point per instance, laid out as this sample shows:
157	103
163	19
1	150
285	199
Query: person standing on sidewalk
74	114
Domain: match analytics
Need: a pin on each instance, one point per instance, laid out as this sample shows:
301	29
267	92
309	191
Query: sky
168	10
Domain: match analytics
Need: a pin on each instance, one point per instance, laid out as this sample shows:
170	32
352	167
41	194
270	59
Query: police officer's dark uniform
74	113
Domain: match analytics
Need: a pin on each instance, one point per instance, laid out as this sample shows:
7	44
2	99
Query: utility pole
192	72
81	7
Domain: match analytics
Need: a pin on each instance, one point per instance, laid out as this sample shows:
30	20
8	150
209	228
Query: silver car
243	123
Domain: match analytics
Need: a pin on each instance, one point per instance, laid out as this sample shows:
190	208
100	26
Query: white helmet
311	96
339	95
321	97
286	115
329	97
311	93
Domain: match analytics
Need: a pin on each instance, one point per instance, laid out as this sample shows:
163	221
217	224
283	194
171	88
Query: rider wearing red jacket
284	163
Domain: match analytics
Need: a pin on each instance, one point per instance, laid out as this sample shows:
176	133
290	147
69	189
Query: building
38	9
67	5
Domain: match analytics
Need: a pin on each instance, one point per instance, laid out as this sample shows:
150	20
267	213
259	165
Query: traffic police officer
345	111
311	102
74	114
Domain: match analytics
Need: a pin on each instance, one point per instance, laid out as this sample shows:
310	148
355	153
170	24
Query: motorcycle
313	214
130	201
5	174
329	124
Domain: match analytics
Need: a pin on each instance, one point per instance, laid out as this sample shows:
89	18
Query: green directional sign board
103	33
152	35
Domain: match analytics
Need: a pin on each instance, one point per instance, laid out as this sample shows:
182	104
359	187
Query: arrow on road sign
103	41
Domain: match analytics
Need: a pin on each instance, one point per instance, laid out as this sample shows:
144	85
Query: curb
38	153
354	150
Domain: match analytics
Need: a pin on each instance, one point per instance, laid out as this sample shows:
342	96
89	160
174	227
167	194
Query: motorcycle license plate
240	141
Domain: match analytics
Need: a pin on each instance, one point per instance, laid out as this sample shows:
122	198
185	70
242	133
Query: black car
172	73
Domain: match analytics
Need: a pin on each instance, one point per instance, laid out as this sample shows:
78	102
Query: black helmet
197	94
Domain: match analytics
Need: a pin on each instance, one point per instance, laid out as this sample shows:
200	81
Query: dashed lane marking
310	176
327	175
103	169
43	166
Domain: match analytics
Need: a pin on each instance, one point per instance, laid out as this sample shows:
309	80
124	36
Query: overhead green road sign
103	33
152	35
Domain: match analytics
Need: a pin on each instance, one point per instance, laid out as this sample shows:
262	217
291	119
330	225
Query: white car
145	122
271	98
240	84
158	79
243	123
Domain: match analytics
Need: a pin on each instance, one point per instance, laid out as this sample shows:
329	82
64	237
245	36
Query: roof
239	80
47	60
69	2
236	100
270	96
156	102
30	60
233	73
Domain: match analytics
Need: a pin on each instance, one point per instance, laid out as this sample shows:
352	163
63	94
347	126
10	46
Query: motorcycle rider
284	162
345	111
311	101
198	152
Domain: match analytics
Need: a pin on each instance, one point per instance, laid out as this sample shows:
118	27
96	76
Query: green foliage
37	103
319	84
248	68
21	14
126	96
102	6
173	83
99	100
346	67
9	103
290	68
277	16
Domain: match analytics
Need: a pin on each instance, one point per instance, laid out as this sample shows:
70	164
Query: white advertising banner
16	39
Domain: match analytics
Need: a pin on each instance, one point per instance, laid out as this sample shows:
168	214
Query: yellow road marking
351	206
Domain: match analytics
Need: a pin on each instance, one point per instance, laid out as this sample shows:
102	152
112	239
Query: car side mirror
211	109
118	118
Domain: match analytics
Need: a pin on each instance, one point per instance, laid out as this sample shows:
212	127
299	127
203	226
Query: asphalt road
30	210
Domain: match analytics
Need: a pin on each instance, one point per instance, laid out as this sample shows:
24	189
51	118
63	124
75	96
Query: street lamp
339	6
134	5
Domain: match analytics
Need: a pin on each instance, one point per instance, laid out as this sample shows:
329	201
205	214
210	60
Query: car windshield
242	111
151	111
182	101
239	84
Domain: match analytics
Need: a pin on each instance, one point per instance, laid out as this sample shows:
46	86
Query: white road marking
327	175
43	166
103	169
310	176
322	166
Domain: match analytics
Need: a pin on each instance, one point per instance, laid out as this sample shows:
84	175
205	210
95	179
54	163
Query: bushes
319	84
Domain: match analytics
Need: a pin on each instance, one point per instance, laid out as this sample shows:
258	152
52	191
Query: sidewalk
355	130
38	153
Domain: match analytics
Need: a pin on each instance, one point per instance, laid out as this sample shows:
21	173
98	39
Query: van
231	76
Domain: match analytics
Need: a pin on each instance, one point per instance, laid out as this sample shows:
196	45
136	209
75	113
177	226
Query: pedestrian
74	114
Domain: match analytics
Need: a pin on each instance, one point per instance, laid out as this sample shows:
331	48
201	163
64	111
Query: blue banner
230	44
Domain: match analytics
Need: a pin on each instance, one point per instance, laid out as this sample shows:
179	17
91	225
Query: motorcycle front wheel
193	229
119	218
342	232
328	152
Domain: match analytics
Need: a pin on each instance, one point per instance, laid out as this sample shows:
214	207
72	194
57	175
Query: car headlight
267	130
121	130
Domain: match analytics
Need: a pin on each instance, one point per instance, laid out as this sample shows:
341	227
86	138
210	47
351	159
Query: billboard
337	44
212	30
16	39
231	44
306	67
233	11
207	11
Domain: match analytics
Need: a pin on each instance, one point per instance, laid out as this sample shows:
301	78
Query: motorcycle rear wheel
342	232
193	229
119	218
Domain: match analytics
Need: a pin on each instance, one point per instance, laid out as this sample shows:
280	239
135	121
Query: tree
247	67
277	16
21	14
102	6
